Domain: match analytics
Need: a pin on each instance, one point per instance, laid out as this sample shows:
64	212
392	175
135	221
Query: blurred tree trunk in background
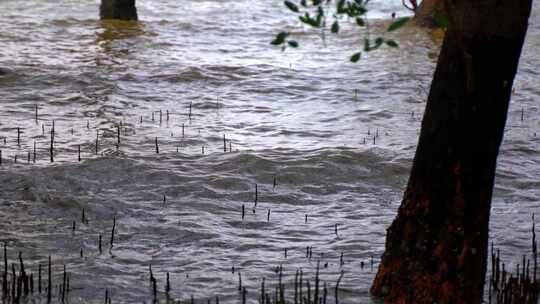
436	247
118	9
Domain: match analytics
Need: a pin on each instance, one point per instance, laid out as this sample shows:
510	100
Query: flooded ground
337	139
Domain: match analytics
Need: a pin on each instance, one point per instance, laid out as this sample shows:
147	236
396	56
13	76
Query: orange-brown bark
423	14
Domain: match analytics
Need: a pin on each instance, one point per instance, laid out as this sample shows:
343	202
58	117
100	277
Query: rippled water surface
305	118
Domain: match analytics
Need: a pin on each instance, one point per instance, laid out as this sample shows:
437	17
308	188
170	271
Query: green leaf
355	57
440	19
303	3
349	10
354	9
309	21
397	24
378	42
293	7
360	22
292	43
335	27
320	15
361	10
280	38
391	43
340	7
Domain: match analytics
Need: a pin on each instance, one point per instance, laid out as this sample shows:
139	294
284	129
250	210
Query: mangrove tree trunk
436	247
424	13
118	9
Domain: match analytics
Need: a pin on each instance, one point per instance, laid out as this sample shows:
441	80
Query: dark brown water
307	117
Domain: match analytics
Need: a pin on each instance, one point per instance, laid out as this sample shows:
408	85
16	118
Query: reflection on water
338	138
115	30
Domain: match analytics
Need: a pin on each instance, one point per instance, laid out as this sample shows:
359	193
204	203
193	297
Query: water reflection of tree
116	41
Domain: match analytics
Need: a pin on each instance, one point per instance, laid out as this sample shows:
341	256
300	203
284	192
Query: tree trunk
436	248
118	9
424	12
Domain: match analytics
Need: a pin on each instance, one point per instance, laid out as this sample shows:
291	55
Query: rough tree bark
423	14
118	9
436	247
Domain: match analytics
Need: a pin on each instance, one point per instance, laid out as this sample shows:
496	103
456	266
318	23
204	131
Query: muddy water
305	117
